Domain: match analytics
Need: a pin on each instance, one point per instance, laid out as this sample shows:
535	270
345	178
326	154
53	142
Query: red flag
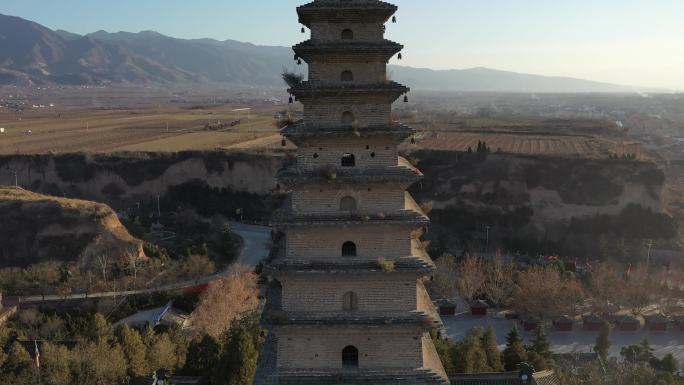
37	354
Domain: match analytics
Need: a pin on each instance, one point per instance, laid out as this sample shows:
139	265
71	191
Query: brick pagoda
346	300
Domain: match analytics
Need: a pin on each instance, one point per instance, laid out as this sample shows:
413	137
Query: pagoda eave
414	265
402	176
347	52
345	12
412	219
301	132
413	319
315	90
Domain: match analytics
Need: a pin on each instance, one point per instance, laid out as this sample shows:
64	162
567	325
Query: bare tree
226	299
637	291
102	263
605	285
472	276
499	282
542	293
444	280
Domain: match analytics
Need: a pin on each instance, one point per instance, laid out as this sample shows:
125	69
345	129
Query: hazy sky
632	42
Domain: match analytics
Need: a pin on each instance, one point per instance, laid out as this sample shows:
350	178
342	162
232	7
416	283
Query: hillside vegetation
38	228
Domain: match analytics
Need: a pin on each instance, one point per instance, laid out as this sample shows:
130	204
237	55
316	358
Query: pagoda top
346	11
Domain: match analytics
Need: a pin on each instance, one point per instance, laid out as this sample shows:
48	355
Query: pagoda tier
411	215
375	377
403	174
347	52
353	11
322	92
423	321
413	265
301	131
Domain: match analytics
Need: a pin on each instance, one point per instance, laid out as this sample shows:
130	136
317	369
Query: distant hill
33	54
489	80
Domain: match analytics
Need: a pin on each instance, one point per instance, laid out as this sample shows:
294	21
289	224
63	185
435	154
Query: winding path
255	248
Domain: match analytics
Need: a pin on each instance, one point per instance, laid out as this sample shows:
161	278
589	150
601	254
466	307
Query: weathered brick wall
313	349
326	32
329	115
325	242
326	199
364	73
376	152
376	293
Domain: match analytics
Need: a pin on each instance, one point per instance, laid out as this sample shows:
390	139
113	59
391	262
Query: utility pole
648	254
158	209
487	227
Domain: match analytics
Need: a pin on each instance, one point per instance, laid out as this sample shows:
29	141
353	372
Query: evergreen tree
180	343
238	361
55	364
668	364
540	343
473	353
492	350
162	353
135	352
98	363
515	352
101	329
513	336
603	342
646	351
227	243
18	368
203	355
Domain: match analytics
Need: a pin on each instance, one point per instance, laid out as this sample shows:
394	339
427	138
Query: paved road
570	342
256	242
255	248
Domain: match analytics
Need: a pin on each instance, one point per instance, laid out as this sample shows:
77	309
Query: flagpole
37	360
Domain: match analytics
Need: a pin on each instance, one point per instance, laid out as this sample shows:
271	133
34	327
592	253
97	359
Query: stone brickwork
375	294
368	152
361	73
325	242
312	349
327	32
378	199
346	303
329	115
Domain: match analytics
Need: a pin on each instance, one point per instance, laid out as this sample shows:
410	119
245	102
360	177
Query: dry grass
88	130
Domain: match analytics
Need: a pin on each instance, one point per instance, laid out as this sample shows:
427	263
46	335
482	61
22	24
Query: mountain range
31	54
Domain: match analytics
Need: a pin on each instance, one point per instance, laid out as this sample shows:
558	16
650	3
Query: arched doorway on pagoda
350	357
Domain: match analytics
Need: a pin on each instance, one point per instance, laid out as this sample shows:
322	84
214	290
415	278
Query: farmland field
576	146
147	129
